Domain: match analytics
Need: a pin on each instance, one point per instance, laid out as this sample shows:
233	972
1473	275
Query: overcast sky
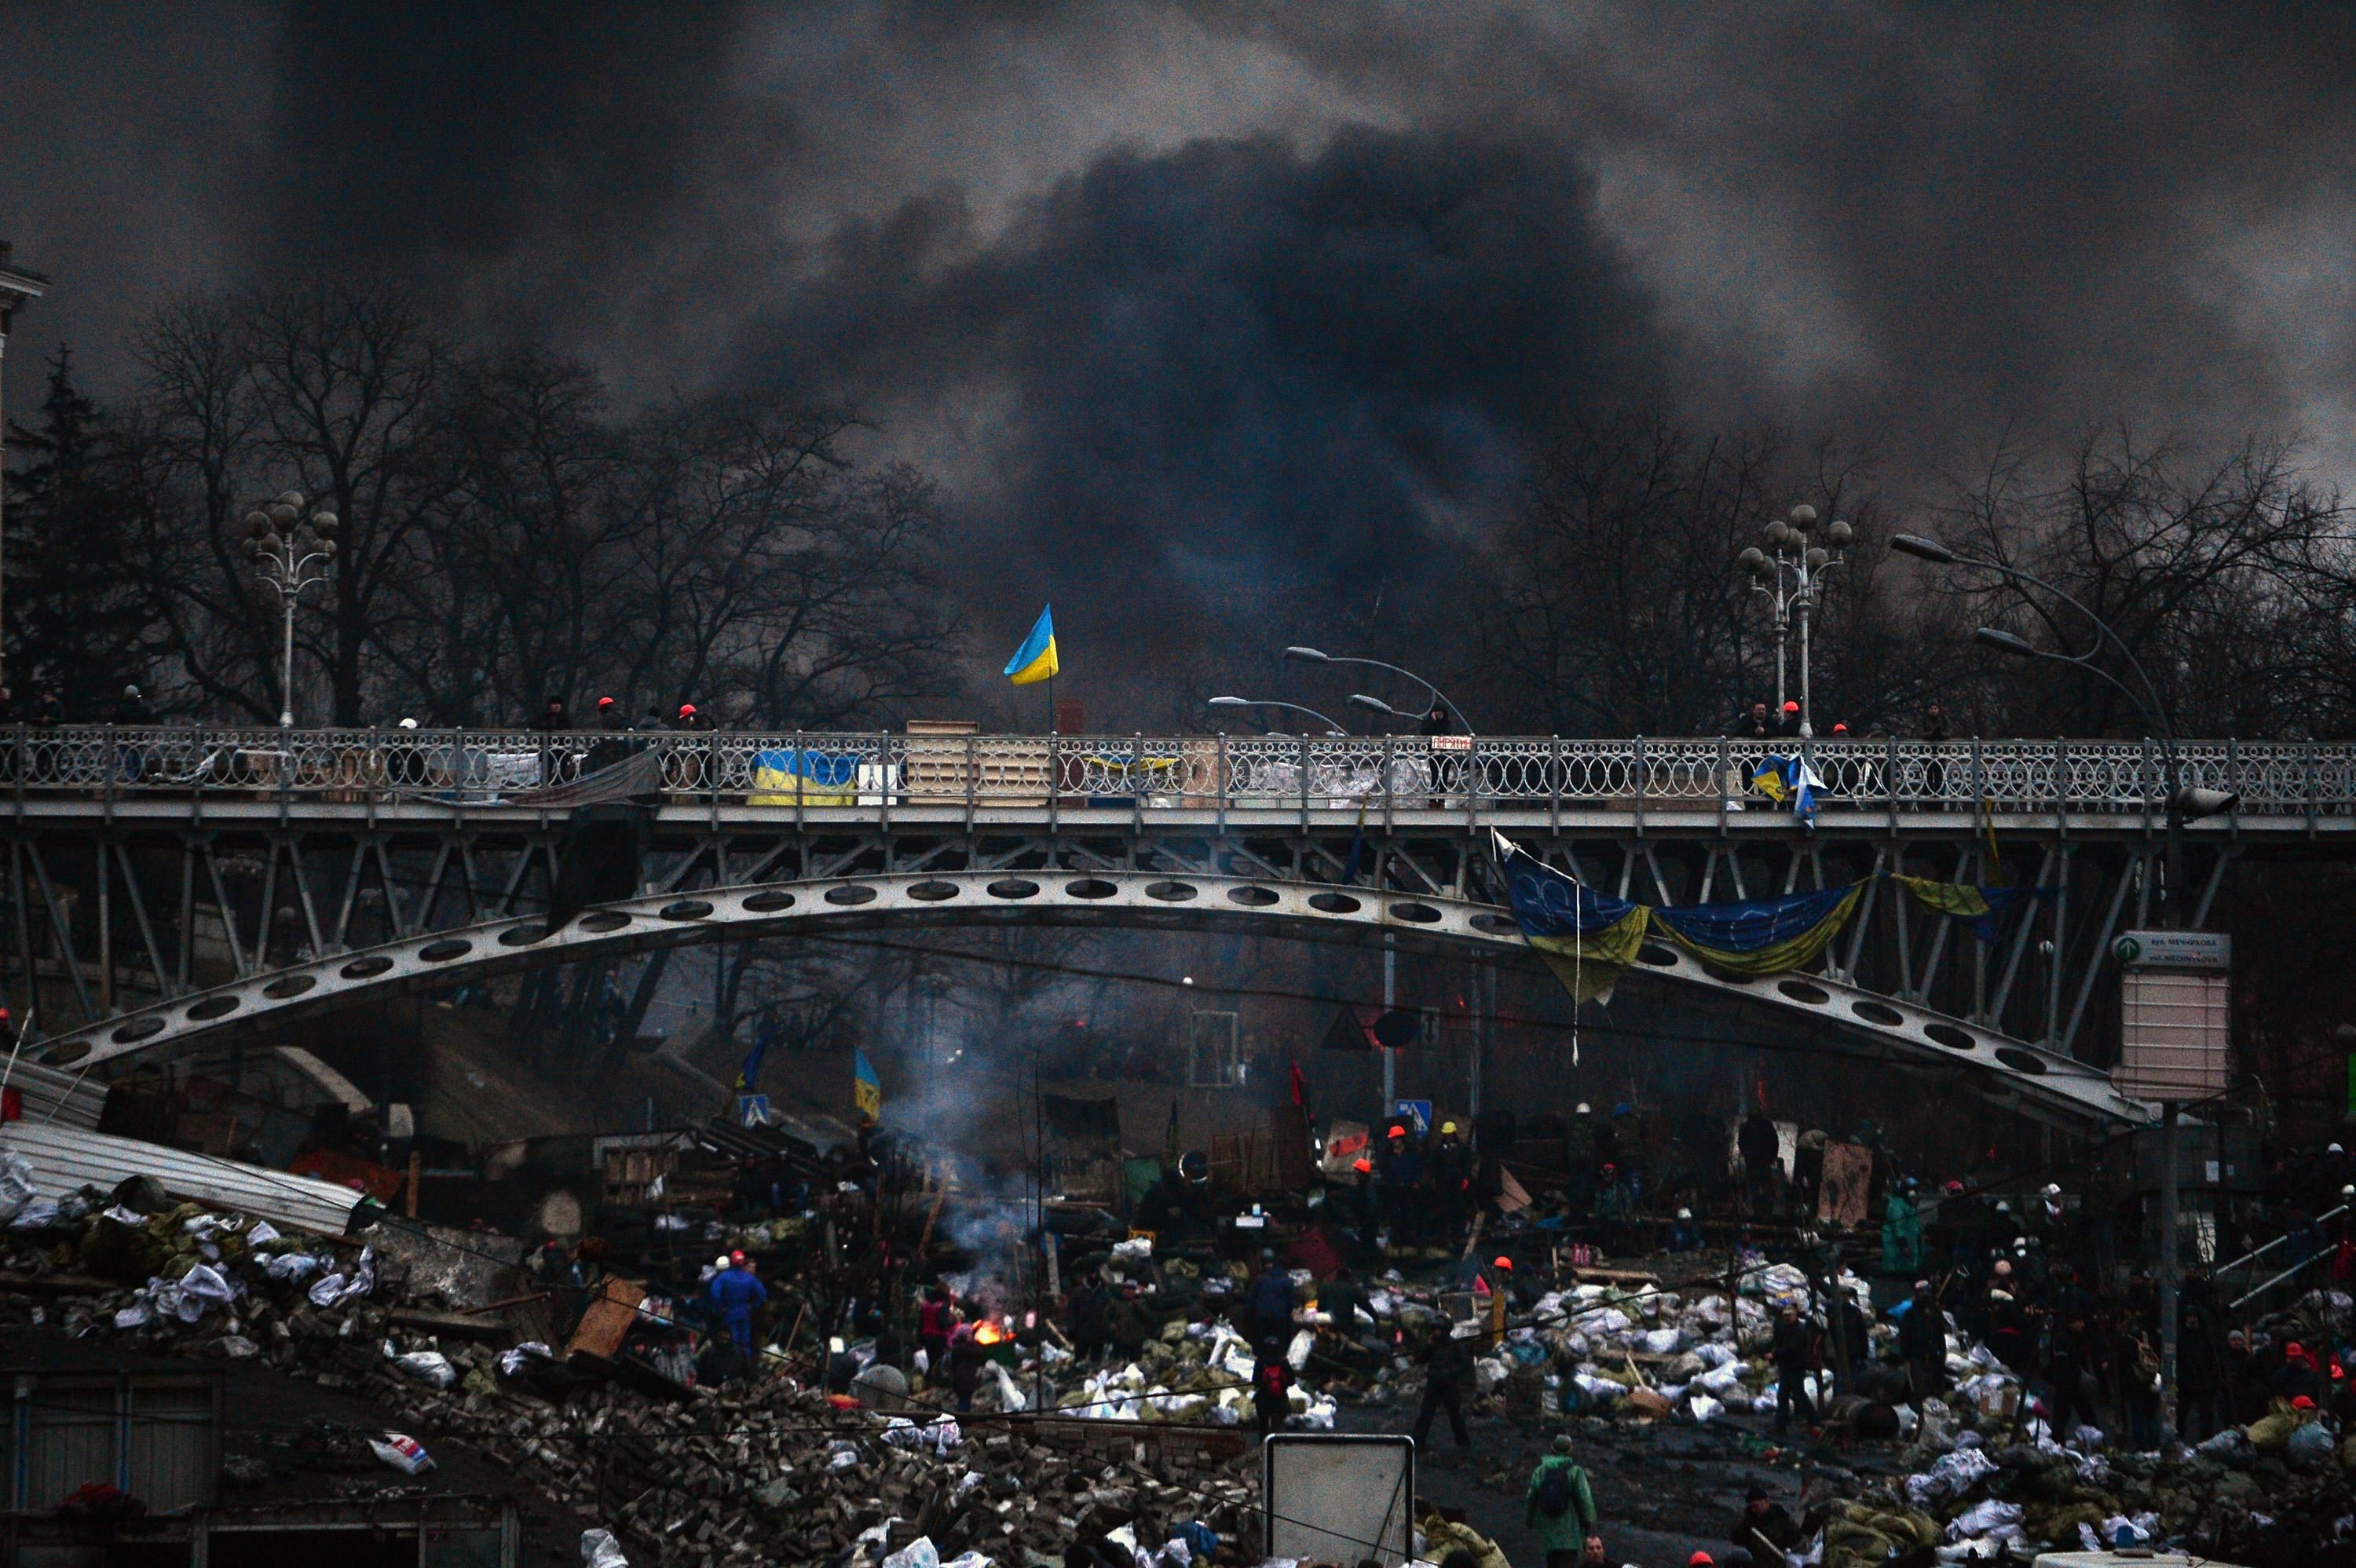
1218	293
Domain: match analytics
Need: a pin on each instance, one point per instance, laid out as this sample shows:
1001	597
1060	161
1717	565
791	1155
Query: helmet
604	702
2002	1206
2052	1190
1361	1165
1585	1109
1398	1131
1447	1126
720	1262
735	1257
1923	1286
1610	1170
1684	1213
409	724
1504	1263
686	711
1954	1186
1791	707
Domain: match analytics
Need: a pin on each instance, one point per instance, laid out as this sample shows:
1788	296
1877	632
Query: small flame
989	1334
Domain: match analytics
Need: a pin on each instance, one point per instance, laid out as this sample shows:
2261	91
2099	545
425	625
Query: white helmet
409	724
1684	1213
720	1262
1585	1109
2052	1190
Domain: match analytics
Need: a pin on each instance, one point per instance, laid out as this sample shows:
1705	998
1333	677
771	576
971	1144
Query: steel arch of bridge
2039	1082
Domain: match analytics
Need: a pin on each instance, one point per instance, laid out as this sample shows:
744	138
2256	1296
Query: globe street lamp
1318	656
292	552
1789	575
1331	728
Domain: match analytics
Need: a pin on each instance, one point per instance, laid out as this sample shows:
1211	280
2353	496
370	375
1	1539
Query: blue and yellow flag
1035	660
866	1089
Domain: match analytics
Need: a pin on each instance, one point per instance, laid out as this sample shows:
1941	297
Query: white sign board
2203	950
2175	1034
1332	1499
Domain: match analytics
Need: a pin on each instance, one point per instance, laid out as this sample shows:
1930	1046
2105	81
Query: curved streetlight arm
1294	706
1314	656
2157	714
2086	662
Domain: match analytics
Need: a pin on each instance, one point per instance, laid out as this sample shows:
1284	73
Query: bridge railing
816	771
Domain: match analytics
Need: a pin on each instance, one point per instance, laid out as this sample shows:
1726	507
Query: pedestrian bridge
176	883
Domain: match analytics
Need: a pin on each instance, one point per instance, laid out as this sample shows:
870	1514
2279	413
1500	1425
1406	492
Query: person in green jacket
1565	1530
1902	1230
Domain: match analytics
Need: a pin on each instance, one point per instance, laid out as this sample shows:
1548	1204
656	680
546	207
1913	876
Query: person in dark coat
1766	1528
1269	1302
2199	1376
1796	1358
1923	1344
1447	1376
967	1355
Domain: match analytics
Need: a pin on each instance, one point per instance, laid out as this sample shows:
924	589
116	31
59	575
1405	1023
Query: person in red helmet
1788	723
1402	1172
739	1294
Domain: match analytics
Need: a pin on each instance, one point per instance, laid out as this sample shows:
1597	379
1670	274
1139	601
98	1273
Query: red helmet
604	702
735	1257
686	711
1791	707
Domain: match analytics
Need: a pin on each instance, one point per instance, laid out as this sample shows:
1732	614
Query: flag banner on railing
1588	939
1980	908
1788	781
824	779
1761	936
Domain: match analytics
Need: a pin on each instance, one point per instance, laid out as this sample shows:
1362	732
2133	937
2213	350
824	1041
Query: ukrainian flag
1035	660
866	1089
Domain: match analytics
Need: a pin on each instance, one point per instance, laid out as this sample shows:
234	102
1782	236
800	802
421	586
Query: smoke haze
1184	301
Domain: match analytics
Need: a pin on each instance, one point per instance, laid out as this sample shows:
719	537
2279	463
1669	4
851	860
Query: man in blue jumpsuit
738	1293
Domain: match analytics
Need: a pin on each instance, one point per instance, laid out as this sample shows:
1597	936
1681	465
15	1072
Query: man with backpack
1562	1508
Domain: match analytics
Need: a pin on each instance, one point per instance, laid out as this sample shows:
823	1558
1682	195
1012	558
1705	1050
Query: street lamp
292	552
17	286
1790	573
2182	803
1318	656
1261	703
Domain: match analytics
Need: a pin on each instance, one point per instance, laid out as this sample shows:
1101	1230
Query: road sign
2197	950
1332	1499
1416	1111
752	1110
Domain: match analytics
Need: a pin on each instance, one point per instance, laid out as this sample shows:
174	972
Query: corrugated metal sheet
154	1435
52	1094
64	1159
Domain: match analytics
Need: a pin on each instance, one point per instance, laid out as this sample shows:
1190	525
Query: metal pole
1807	729
1782	630
1390	996
286	655
2168	1263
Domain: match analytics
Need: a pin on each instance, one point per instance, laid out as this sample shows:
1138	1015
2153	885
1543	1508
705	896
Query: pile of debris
739	1471
760	1467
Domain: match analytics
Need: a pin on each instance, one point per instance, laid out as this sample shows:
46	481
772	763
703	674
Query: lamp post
17	286
1318	656
1331	726
292	552
1789	575
2182	803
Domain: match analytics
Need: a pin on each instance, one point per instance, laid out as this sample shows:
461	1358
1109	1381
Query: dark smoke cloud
1185	301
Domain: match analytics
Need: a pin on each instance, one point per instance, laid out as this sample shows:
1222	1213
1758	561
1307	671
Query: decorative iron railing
816	771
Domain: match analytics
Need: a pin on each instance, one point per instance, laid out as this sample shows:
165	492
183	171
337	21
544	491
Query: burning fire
988	1333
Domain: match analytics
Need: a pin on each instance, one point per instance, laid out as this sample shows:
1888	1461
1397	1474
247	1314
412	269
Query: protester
738	1293
1794	1349
1447	1372
1269	1306
1559	1505
1766	1529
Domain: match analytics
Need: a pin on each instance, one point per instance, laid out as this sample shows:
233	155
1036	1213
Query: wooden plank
607	1322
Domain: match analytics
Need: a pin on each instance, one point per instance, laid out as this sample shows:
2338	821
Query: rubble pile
738	1470
705	1475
